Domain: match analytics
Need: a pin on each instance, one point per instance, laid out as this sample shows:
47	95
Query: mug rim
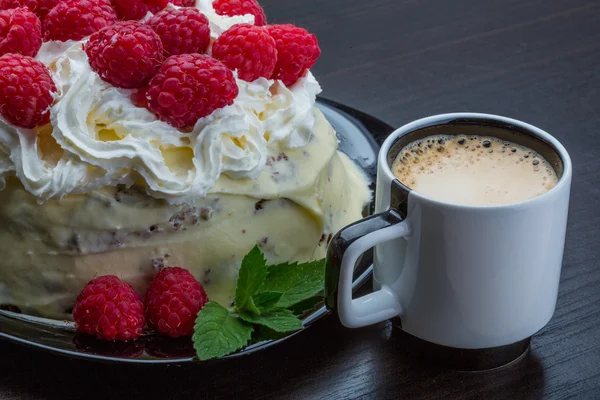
441	119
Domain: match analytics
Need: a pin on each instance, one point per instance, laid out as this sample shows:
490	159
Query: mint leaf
251	276
218	333
279	320
266	300
297	282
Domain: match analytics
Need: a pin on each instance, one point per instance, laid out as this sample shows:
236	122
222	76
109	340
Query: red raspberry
173	300
188	87
39	7
25	91
184	3
137	9
182	31
110	309
20	32
297	51
241	7
126	54
249	49
76	19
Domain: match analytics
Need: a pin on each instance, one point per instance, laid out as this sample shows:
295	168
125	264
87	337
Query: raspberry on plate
38	7
297	51
241	7
76	19
188	87
20	32
137	9
173	301
110	309
182	30
26	91
126	54
248	49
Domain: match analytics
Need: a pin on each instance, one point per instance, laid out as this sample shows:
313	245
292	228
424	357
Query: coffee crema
473	170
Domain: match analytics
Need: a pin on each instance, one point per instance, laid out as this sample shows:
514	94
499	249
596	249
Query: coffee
473	170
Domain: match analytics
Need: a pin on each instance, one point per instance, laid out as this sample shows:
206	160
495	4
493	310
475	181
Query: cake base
51	250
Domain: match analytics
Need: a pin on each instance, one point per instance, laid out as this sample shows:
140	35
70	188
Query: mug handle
346	247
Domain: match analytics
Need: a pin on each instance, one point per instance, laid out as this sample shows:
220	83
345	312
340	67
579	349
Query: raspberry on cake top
142	131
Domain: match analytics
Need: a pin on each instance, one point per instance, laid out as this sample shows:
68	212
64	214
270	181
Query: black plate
359	135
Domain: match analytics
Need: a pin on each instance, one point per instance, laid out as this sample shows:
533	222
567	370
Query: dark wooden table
536	60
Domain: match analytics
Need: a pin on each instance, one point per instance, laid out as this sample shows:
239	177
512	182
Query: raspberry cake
142	135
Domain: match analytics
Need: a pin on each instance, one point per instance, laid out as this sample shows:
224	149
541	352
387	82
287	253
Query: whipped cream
97	137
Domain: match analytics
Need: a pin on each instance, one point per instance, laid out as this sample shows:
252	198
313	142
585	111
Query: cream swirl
97	137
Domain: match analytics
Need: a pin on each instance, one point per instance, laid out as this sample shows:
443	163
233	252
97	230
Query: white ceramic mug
465	277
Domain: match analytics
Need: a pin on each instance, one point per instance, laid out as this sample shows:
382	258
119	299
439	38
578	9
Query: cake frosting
107	188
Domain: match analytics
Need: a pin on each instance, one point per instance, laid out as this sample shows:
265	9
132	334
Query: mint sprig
267	299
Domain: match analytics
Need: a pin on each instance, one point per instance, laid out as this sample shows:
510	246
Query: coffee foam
473	170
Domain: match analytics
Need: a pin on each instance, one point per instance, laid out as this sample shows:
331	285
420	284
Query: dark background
536	60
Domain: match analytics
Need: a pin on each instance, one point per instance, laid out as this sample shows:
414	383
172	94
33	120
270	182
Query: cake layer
50	251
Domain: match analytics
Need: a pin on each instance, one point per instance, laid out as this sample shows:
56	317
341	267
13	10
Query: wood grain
536	60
